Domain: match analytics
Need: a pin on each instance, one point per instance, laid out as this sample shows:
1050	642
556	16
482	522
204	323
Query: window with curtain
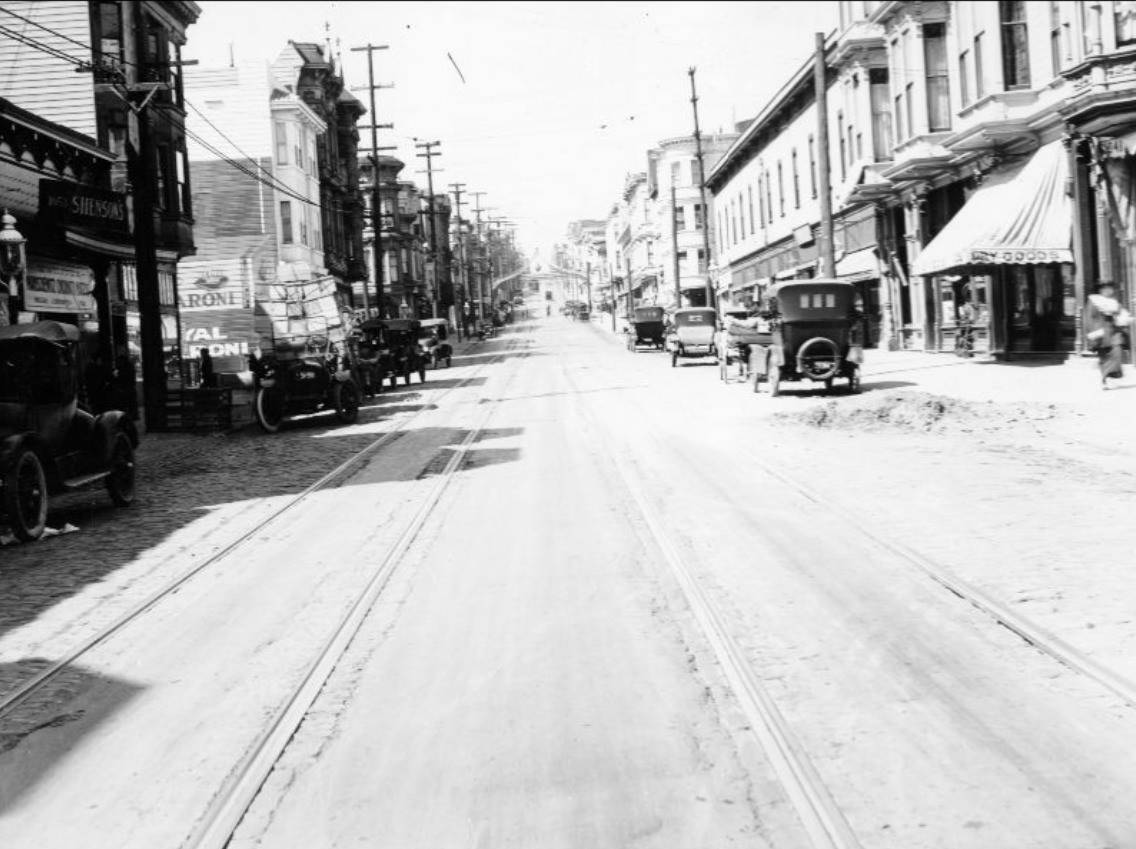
281	137
938	85
1124	14
286	222
979	69
882	139
1015	44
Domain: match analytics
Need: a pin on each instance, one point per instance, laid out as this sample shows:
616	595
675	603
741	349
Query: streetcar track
1030	632
819	814
219	822
24	689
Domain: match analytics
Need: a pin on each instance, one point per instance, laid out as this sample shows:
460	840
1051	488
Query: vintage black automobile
692	333
49	442
646	327
396	340
815	335
302	377
434	341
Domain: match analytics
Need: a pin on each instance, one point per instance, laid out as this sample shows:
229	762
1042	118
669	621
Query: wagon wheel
775	381
269	408
120	481
346	399
25	496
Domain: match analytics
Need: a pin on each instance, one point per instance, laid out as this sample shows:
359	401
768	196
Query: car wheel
346	397
269	408
25	496
120	481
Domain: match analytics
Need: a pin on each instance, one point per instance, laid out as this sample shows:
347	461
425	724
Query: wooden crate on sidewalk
199	409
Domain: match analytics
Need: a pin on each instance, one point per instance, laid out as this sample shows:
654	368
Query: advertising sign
54	286
211	286
67	204
226	333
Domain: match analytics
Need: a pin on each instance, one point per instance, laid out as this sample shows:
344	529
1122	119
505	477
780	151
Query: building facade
109	76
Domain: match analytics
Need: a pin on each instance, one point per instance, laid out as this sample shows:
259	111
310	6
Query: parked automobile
303	377
433	340
49	442
582	313
396	340
647	327
691	334
815	335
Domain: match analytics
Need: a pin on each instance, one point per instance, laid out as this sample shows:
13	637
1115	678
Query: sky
545	107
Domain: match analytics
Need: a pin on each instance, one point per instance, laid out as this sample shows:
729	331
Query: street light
12	260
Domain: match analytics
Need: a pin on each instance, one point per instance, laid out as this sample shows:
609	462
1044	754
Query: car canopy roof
51	331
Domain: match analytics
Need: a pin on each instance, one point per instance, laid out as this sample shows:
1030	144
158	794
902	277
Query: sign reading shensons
71	205
1017	256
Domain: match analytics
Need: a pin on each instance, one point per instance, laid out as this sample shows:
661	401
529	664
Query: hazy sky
559	101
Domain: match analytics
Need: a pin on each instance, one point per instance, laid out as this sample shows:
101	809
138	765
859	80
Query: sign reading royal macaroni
211	286
62	287
226	333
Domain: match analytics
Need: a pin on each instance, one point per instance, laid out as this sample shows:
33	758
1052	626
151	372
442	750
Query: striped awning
1019	216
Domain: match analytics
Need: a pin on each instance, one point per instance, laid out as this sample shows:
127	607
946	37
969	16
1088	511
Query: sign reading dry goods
63	287
67	204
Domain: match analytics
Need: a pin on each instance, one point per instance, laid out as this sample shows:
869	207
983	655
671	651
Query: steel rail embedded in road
23	690
220	821
820	816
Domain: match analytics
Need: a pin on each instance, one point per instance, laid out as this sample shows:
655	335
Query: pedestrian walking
208	376
1106	320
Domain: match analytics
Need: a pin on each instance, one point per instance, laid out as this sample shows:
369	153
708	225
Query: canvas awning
858	265
1019	216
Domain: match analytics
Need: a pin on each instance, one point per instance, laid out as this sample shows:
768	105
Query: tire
775	381
827	349
25	496
120	481
346	397
269	408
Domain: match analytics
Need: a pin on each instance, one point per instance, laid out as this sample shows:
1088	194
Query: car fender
116	420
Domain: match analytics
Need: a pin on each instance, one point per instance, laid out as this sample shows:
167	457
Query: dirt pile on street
919	412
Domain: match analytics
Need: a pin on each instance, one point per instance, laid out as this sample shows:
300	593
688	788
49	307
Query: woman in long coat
1105	320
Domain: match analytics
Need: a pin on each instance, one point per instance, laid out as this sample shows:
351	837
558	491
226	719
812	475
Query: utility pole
376	191
140	166
463	272
710	299
429	157
477	211
827	243
627	262
674	246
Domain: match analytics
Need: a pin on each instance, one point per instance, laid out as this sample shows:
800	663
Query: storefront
1007	255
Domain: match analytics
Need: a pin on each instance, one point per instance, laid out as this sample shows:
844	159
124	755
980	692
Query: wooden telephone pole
376	190
429	157
710	298
477	210
463	271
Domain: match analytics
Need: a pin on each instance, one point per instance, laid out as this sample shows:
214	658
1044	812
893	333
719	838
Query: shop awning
858	265
1019	216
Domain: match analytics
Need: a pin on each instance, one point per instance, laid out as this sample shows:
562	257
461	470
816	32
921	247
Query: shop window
1015	44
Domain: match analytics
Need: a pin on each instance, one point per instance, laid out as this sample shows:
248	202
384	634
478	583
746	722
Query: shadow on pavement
71	708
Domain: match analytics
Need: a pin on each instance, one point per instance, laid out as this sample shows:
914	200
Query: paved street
535	660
